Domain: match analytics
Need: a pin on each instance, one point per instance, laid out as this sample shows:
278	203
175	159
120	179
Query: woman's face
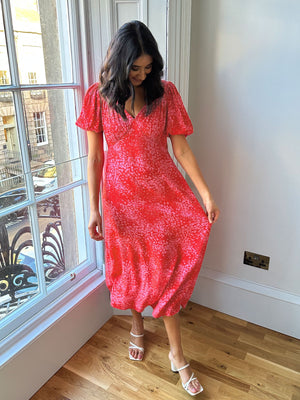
140	68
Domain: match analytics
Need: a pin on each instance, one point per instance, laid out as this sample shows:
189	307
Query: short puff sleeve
90	116
178	120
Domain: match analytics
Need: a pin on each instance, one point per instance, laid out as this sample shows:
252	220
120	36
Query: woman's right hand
95	226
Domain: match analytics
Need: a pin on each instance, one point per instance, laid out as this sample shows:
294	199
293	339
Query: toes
194	386
133	353
136	354
193	389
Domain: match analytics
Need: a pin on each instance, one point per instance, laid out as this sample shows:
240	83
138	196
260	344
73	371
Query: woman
155	229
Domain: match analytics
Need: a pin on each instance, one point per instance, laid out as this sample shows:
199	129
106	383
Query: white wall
244	102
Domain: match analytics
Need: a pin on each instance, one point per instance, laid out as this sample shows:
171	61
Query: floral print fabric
156	231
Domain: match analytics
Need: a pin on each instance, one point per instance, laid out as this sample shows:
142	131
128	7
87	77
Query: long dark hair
131	41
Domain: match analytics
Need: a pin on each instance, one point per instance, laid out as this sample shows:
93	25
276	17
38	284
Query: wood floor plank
272	367
282	336
252	374
237	328
246	375
226	317
289	343
233	359
82	385
261	394
47	393
220	375
77	391
104	367
296	394
192	339
267	345
272	353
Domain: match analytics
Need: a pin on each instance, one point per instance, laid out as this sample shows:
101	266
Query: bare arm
187	160
95	167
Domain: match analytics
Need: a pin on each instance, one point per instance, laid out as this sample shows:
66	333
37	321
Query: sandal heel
173	369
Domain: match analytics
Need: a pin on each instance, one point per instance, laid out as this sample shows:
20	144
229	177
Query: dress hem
154	314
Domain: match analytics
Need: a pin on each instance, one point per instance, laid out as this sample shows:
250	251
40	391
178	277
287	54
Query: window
4	96
40	128
44	245
32	78
4	78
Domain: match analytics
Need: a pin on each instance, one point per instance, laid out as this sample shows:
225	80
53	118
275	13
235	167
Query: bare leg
137	329
172	325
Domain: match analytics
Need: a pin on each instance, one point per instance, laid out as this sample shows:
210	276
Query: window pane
4	67
62	233
12	197
51	140
18	275
39	40
11	168
50	176
50	128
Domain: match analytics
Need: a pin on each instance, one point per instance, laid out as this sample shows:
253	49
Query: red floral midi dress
155	230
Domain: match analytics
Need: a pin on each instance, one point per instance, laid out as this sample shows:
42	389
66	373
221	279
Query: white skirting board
262	305
30	368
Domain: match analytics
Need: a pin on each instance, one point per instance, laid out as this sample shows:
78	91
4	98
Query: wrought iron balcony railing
18	278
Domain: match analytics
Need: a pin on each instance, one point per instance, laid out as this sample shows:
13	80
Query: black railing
13	276
18	280
53	251
11	170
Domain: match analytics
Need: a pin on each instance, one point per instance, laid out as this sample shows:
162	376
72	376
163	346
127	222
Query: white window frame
40	128
28	321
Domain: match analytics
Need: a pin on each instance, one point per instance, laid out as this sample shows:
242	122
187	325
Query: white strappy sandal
186	384
134	346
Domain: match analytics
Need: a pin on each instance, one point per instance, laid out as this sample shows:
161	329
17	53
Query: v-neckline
131	116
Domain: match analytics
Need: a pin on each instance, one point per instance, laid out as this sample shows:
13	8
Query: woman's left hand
212	210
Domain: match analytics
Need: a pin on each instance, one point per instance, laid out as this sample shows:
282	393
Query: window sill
42	144
32	329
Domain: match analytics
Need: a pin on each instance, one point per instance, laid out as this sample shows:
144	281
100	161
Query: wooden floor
233	359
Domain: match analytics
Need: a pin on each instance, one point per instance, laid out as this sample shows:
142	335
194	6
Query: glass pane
50	176
39	40
50	133
62	233
18	275
4	67
11	168
12	197
50	128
